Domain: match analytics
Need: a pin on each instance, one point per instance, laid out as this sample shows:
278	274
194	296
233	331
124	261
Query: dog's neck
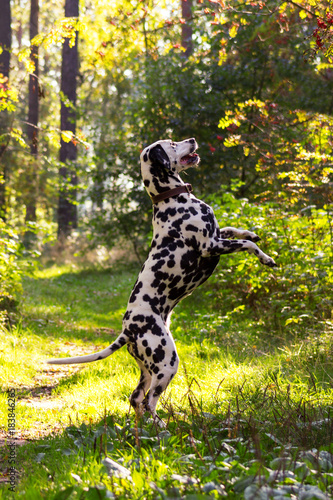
186	188
157	180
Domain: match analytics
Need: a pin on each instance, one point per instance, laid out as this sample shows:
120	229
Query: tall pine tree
5	44
32	127
67	208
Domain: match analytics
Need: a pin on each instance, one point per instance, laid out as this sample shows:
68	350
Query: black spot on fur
174	234
190	227
139	317
158	265
158	156
173	358
158	391
136	290
159	354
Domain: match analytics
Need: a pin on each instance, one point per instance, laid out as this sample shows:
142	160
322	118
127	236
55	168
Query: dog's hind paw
157	421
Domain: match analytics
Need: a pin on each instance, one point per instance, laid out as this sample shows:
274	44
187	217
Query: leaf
64	494
76	477
97	493
211	486
18	136
66	452
233	31
184	479
38	39
233	140
313	493
291	320
273	438
252	492
194	496
67	135
243	483
302	471
116	469
39	457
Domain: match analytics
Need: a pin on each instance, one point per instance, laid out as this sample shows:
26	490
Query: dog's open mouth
190	159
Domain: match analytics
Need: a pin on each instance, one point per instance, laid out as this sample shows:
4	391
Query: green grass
242	415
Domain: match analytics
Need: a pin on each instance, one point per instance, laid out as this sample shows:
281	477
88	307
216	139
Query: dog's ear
159	156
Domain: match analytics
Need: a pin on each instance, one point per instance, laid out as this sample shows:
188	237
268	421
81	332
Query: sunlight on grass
74	300
55	271
235	382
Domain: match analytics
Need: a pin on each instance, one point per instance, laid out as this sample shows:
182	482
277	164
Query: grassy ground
249	414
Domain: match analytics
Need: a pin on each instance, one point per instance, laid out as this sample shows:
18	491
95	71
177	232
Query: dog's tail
117	344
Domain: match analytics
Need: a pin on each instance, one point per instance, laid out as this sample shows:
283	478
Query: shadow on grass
87	305
54	379
84	303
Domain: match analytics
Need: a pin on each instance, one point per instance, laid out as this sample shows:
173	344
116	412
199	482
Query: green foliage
291	157
8	95
249	412
187	461
246	73
10	270
299	291
254	391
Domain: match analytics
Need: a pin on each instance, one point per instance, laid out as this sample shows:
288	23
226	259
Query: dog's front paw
268	261
251	236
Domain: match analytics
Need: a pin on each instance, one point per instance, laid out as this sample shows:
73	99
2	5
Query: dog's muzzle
190	160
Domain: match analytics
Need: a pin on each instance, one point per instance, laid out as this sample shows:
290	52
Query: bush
299	290
11	270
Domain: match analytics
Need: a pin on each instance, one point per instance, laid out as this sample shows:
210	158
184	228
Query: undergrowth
249	414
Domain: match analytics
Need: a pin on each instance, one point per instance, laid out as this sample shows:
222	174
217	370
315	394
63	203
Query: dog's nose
192	141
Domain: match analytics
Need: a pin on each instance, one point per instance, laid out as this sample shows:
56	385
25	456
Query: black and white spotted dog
186	247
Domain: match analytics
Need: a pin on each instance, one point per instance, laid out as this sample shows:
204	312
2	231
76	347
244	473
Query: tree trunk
67	210
32	128
5	43
187	42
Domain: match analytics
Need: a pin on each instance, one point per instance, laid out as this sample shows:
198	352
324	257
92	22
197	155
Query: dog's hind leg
159	383
139	393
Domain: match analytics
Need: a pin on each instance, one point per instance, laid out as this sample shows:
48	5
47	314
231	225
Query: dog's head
173	156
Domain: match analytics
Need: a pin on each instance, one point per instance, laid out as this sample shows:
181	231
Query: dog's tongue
188	158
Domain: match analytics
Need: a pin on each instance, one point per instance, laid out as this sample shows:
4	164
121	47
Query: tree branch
302	8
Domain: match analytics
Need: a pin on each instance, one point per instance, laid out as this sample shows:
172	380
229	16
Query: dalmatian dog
186	247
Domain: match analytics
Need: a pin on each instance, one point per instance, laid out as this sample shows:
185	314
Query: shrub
11	269
299	290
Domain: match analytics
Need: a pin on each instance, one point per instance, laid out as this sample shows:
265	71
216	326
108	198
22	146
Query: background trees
248	80
5	49
30	176
67	209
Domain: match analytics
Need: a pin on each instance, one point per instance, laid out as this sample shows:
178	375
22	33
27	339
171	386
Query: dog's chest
186	218
175	266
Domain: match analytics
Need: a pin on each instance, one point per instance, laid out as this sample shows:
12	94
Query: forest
84	88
